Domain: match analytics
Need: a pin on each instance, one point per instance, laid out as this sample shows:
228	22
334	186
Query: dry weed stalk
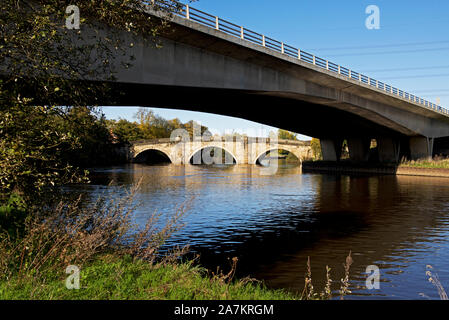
309	293
226	278
434	279
327	293
73	234
344	289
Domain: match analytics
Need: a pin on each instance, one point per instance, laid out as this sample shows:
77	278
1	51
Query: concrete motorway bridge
208	64
245	150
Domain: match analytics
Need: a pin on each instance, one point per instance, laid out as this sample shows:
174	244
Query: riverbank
99	244
428	164
111	277
416	168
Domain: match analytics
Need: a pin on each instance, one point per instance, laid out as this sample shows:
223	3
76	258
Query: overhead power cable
383	45
388	52
406	69
436	95
418	76
431	90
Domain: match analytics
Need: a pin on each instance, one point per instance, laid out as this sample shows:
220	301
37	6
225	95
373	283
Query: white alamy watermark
372	22
72	21
73	280
373	280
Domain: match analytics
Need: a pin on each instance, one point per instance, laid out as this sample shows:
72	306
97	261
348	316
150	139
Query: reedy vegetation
437	162
72	233
118	260
309	293
435	280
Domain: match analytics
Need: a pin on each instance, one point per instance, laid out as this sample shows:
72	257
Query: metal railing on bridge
215	22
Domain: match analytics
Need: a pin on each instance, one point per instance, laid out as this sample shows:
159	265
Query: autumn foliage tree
149	126
316	148
49	88
287	135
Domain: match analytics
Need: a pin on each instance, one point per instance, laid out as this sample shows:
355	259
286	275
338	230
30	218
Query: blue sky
409	51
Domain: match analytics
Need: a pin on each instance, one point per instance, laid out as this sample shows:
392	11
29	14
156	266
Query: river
273	223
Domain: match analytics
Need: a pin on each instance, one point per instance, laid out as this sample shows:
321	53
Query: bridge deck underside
315	120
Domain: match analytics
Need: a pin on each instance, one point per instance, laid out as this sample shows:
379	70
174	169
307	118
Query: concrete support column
358	149
421	148
331	149
389	149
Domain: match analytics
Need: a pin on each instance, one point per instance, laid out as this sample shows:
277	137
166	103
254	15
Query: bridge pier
359	149
389	149
245	157
331	149
421	148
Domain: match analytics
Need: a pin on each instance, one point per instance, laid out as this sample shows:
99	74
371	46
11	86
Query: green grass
116	278
433	164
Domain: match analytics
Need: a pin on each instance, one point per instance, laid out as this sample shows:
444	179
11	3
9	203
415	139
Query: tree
194	128
287	135
125	130
44	58
174	124
41	62
150	126
154	126
95	141
316	148
33	150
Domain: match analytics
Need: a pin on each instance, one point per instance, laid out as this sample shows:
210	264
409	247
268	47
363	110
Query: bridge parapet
152	141
225	139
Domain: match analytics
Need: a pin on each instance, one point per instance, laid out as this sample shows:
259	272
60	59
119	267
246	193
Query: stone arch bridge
246	150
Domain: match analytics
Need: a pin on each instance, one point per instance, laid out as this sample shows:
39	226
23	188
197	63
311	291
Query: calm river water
273	223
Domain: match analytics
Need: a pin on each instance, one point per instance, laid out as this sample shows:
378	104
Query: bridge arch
160	151
210	147
296	153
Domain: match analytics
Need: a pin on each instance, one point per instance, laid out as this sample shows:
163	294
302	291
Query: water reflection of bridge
388	221
246	150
